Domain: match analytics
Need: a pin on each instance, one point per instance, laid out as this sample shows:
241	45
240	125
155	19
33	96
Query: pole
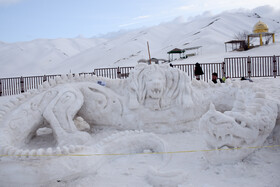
274	67
0	87
223	69
119	73
150	61
249	66
22	84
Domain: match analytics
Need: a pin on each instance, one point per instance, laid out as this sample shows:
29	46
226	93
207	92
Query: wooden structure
236	67
260	30
236	45
181	52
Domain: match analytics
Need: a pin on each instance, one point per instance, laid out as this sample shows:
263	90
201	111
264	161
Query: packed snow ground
260	169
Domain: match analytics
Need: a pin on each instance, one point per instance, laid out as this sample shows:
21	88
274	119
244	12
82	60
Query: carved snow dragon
154	98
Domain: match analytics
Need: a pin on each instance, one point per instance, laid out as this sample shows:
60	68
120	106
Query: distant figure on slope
198	71
215	78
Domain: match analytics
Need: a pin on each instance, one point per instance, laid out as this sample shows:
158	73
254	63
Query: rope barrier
144	153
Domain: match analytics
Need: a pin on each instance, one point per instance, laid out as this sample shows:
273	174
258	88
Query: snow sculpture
67	107
246	121
161	99
155	98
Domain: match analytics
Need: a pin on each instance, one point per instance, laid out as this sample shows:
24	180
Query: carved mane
177	86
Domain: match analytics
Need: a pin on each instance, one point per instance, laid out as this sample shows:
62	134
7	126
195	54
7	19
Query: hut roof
176	50
235	41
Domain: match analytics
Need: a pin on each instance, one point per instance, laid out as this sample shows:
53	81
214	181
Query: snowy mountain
37	56
83	55
208	32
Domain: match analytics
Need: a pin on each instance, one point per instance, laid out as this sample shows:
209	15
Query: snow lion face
165	85
155	85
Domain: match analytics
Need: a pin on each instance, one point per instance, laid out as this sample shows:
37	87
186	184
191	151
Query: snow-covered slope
37	56
83	55
208	32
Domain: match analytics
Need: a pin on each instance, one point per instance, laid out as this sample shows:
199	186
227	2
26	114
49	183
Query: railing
208	69
113	73
17	85
259	66
236	67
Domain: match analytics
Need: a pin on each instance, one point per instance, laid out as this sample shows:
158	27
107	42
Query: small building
236	45
176	51
192	52
260	30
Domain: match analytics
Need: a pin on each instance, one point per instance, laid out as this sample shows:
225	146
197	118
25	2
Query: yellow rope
146	153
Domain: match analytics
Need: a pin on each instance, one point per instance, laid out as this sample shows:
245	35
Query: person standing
198	71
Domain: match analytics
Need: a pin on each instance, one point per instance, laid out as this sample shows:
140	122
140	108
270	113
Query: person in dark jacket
215	78
198	71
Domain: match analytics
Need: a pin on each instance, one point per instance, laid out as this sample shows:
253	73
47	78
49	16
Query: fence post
119	73
274	66
249	66
44	78
0	87
21	84
223	69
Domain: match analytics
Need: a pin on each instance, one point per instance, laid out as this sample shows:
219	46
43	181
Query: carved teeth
58	151
71	148
121	133
5	150
49	151
25	153
33	152
65	150
18	152
78	148
40	152
11	151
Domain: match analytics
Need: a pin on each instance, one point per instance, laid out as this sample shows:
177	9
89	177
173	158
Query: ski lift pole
150	61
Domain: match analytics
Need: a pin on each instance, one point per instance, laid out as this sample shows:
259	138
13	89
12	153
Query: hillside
37	57
208	32
83	55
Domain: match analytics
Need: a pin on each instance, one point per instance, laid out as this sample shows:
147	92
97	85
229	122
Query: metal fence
236	67
258	66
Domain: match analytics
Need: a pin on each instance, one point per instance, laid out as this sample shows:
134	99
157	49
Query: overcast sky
24	20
